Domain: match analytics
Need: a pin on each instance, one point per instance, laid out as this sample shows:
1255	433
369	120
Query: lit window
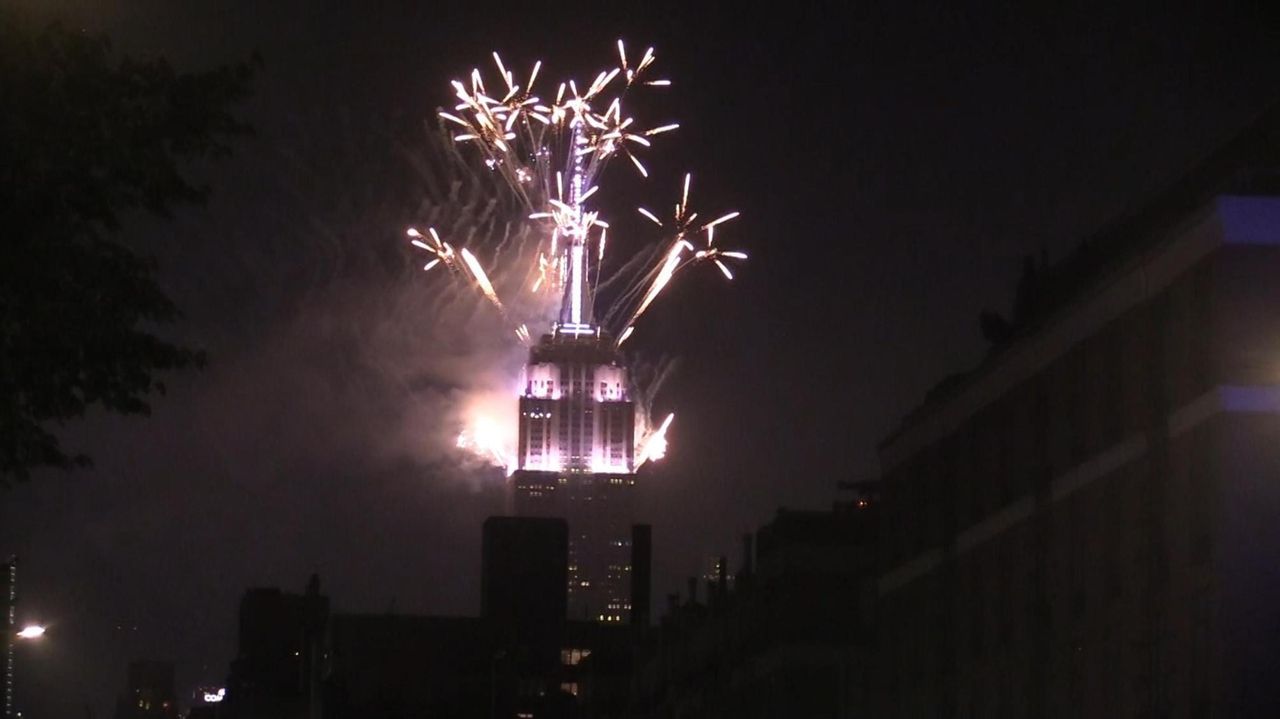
571	657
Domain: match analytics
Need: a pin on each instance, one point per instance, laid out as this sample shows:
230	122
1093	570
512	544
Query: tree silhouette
86	139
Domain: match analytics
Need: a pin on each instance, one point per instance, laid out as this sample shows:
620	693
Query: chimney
693	590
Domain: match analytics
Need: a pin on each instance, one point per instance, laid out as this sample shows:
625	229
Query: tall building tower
576	461
576	454
8	597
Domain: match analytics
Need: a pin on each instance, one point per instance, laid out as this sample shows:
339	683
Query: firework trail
680	253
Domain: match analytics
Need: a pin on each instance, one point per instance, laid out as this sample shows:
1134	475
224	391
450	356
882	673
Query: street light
31	631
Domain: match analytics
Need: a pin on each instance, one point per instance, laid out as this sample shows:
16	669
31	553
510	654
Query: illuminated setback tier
575	413
576	461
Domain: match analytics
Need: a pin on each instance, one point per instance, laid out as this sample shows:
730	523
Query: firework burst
551	150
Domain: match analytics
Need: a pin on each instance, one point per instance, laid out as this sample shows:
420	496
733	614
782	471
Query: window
571	657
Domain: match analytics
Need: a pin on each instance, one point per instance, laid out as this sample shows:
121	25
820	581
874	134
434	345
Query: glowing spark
644	61
442	250
724	269
534	75
660	130
452	118
650	215
501	69
717	221
654	446
625	334
481	278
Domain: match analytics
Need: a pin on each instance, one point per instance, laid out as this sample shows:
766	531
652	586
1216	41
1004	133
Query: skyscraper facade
8	595
576	461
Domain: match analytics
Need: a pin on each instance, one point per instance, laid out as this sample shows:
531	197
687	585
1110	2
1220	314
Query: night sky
892	167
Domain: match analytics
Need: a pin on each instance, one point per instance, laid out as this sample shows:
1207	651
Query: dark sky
893	166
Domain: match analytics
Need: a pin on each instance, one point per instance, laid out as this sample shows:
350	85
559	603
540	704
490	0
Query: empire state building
576	461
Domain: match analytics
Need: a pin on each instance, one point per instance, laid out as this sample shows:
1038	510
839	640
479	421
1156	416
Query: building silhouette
521	657
280	654
1086	525
149	692
523	578
8	620
793	636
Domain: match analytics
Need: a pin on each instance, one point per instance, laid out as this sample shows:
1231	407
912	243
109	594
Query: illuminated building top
576	413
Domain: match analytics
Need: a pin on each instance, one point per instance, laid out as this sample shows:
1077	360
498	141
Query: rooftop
1247	165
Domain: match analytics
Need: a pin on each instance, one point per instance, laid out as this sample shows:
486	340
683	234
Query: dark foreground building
148	692
1089	523
519	658
792	639
280	652
523	575
503	663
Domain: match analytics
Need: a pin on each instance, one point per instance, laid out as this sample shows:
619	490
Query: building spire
575	306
